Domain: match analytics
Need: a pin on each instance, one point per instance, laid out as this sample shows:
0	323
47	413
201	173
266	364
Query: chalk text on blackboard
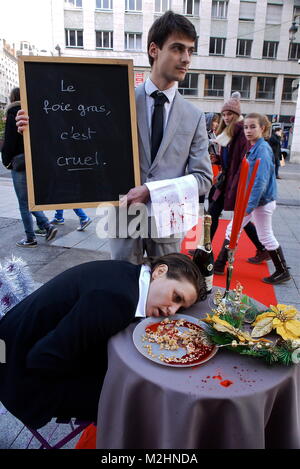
95	108
56	107
83	109
78	161
68	89
71	134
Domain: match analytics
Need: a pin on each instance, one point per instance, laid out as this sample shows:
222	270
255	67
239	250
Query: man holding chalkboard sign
172	142
178	143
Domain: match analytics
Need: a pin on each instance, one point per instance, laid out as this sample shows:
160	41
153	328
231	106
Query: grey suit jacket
184	147
183	150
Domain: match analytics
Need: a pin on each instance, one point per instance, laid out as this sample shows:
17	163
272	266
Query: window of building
294	51
133	5
162	5
265	88
270	50
104	39
219	9
133	41
243	47
290	89
214	85
104	4
73	3
74	38
247	11
241	84
191	7
274	13
217	46
189	86
296	11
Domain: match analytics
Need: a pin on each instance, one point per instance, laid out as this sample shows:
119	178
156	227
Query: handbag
18	162
282	162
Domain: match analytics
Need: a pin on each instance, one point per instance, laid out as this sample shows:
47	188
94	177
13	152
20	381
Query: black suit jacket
56	338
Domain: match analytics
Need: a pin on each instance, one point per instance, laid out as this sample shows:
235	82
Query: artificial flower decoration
223	326
285	319
228	326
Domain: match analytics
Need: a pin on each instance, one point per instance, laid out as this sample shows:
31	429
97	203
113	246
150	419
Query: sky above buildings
28	20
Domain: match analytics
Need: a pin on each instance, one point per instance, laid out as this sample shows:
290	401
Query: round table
151	406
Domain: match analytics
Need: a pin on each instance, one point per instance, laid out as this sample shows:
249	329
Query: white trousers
262	218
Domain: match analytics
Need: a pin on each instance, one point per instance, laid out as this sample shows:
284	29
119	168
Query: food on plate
173	334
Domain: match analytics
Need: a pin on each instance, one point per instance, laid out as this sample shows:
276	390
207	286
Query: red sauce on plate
200	350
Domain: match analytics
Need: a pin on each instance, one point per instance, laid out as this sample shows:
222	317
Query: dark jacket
275	144
237	149
13	141
56	341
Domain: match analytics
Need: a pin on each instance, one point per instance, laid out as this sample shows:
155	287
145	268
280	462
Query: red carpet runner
249	275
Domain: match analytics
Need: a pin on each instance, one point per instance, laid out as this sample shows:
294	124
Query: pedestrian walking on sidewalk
84	219
275	144
13	159
234	146
262	201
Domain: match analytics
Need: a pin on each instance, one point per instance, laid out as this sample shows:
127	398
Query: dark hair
14	95
168	24
180	266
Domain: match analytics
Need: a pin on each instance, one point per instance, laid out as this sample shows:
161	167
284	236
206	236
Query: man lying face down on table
56	338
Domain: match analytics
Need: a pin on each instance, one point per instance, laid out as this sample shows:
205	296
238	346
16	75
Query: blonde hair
263	122
229	129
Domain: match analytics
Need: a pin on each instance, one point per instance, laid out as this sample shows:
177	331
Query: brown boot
281	273
259	257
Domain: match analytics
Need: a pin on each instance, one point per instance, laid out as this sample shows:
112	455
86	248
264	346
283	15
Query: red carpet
249	275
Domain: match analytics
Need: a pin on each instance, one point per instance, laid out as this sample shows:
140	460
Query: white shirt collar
170	92
144	283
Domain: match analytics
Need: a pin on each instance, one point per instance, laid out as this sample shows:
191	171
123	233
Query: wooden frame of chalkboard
81	145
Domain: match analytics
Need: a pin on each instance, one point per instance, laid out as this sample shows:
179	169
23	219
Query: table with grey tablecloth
151	406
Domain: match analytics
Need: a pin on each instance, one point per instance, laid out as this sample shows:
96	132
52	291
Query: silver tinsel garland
8	299
15	283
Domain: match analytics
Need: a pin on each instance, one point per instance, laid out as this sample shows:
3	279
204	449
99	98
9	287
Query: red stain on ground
218	377
226	383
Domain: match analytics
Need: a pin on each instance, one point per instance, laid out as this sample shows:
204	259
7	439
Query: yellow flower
285	319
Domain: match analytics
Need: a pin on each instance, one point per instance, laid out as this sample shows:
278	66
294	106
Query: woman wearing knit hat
234	146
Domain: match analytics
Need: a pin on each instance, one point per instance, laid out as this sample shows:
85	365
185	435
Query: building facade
9	78
243	45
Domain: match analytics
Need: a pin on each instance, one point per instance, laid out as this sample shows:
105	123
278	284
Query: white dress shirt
144	283
170	94
169	227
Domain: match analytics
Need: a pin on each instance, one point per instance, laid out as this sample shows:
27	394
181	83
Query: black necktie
157	122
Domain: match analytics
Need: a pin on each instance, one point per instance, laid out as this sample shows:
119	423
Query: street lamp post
58	48
293	29
295	147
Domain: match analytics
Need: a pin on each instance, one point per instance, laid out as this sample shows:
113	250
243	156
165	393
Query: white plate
139	333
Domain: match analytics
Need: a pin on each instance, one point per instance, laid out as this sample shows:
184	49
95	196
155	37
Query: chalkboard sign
81	144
